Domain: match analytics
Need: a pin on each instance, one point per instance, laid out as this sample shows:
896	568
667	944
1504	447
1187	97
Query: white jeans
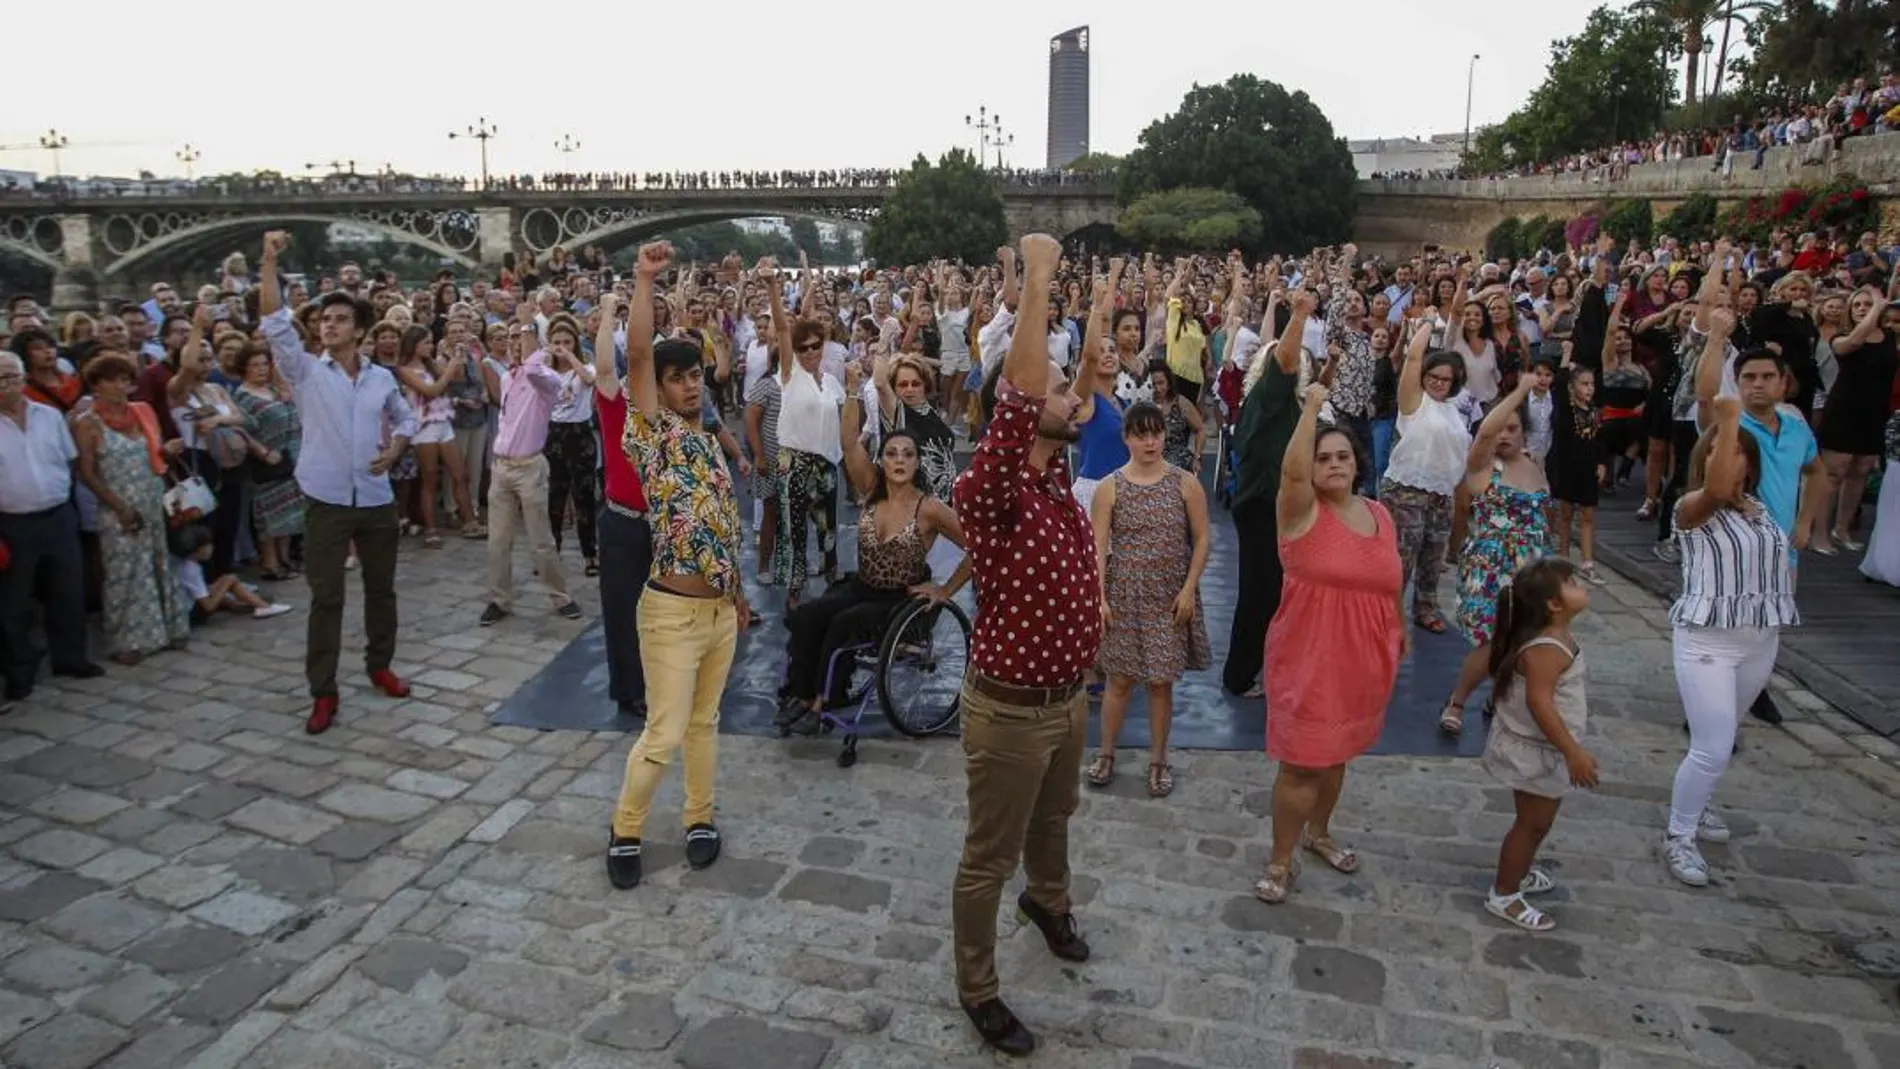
1719	672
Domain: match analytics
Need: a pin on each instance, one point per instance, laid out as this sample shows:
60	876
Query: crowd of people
1034	428
348	181
1863	107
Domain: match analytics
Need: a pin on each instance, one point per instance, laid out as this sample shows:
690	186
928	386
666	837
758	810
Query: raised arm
1087	371
1296	501
643	389
857	462
1027	364
1012	286
1726	468
1864	330
1287	352
606	377
1713	283
1708	370
1484	447
767	274
1610	323
1412	374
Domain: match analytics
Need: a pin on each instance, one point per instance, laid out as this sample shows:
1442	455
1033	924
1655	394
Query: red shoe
322	715
389	683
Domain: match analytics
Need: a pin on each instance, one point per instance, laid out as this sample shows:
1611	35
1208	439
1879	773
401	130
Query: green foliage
1692	220
1844	203
1096	163
1807	47
1630	219
947	210
1275	150
1604	86
1504	240
1692	22
1188	220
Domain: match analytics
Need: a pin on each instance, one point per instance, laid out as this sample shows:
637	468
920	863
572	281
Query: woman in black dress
1853	425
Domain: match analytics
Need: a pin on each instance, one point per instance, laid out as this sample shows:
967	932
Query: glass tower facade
1068	97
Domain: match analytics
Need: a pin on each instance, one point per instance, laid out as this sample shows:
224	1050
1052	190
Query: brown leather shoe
1000	1028
1058	930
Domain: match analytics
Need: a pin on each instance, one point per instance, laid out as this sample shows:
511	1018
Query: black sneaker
1059	931
81	670
1000	1028
493	615
568	611
702	845
623	861
1765	709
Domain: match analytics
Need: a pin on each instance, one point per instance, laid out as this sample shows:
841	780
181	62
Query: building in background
1068	97
1407	155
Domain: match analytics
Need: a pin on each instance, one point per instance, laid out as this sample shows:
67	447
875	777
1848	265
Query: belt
625	510
520	459
1011	694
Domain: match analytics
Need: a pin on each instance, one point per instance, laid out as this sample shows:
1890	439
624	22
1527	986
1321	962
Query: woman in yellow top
1187	342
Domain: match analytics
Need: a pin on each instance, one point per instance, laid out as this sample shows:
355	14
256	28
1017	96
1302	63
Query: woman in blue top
1100	451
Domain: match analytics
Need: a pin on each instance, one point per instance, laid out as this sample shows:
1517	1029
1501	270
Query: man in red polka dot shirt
1038	625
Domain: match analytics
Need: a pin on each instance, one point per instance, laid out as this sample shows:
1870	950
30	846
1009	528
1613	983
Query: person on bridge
343	469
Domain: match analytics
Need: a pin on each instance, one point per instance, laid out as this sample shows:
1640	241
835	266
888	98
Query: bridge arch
35	238
616	233
423	230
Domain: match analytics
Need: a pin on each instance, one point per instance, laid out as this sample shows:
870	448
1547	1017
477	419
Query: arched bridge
112	243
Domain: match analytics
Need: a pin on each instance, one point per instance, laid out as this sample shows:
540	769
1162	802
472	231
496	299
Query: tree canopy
1272	149
1606	85
1192	219
1095	163
1805	48
948	209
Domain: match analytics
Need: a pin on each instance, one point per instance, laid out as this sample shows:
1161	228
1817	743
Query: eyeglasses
815	347
1441	379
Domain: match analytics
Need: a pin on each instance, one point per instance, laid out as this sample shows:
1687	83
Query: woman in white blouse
1427	464
808	450
1737	594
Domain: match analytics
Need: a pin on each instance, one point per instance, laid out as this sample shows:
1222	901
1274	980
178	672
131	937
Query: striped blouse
1737	572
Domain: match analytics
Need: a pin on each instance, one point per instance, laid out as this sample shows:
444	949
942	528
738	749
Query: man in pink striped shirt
518	485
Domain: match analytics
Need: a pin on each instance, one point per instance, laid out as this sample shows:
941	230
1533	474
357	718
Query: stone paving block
186	948
638	1021
166	1045
311	980
485	1043
1535	953
190	757
285	778
20	1011
427	784
1767	1040
76	805
213	800
380	877
54	968
79	766
739	876
1295	921
355	840
69	1041
1318	1058
44	896
175	836
1544	1052
404	1025
365	802
236	1043
847	1013
245	912
840	890
19	789
400	962
391	915
278	819
442	830
120	865
182	886
1816	866
500	822
129	998
1340	973
734	1043
301	1048
900	945
103	922
289	873
526	994
60	848
232	989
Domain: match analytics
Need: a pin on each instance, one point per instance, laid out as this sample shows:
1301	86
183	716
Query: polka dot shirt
1039	609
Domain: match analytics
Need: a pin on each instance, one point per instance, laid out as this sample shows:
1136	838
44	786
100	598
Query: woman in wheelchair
899	524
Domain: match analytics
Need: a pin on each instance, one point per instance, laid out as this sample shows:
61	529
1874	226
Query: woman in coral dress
1333	648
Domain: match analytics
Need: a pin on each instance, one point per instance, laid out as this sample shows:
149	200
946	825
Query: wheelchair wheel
920	667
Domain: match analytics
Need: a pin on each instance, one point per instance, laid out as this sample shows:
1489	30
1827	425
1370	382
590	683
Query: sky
742	84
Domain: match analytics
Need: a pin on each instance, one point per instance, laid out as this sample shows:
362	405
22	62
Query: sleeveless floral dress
1149	550
1509	528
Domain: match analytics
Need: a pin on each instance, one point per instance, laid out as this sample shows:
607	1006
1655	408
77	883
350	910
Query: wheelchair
916	668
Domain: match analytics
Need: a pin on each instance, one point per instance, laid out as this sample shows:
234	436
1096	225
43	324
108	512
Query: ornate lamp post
484	133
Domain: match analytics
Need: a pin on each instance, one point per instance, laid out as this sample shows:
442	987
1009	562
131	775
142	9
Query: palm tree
1691	21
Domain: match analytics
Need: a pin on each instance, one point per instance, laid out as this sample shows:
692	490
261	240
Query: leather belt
1028	697
624	510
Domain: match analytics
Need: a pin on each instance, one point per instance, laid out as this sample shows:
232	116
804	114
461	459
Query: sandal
1588	572
1160	780
1432	620
1536	882
1452	720
1258	690
1648	510
1277	882
432	540
1101	770
473	530
1341	858
1513	909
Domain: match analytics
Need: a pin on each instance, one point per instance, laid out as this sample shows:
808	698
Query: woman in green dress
276	502
122	461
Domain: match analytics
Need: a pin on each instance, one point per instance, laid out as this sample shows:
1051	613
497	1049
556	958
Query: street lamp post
53	141
484	133
567	145
1708	49
989	131
188	156
1471	79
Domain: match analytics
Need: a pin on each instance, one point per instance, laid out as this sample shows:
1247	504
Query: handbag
229	447
187	500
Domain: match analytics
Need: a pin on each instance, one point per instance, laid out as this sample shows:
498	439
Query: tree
1186	220
950	209
1690	21
1273	149
806	238
1095	163
1807	47
1605	85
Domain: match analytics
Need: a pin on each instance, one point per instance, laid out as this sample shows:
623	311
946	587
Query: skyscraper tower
1068	97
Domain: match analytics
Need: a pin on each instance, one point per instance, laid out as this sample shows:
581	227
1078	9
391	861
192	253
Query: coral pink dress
1333	648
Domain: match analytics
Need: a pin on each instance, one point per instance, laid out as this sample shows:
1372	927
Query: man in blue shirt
355	427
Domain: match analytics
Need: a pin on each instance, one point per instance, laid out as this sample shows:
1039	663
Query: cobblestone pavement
188	880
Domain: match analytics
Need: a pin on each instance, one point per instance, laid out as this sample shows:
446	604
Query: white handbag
189	499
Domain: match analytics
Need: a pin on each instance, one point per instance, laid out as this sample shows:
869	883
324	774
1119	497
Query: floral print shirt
690	503
1351	393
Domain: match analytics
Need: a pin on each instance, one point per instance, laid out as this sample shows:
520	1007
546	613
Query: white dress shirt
36	461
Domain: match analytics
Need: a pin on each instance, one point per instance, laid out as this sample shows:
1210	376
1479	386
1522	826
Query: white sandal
1536	882
1513	909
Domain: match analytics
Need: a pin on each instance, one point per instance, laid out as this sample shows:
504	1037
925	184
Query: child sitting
191	547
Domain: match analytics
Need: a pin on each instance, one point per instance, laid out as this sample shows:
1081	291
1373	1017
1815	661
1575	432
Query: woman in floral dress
1151	536
276	501
1509	527
121	461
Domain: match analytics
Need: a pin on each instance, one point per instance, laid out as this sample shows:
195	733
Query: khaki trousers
517	497
1025	766
686	649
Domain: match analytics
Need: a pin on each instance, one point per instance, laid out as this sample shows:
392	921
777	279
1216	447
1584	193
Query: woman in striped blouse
1737	594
